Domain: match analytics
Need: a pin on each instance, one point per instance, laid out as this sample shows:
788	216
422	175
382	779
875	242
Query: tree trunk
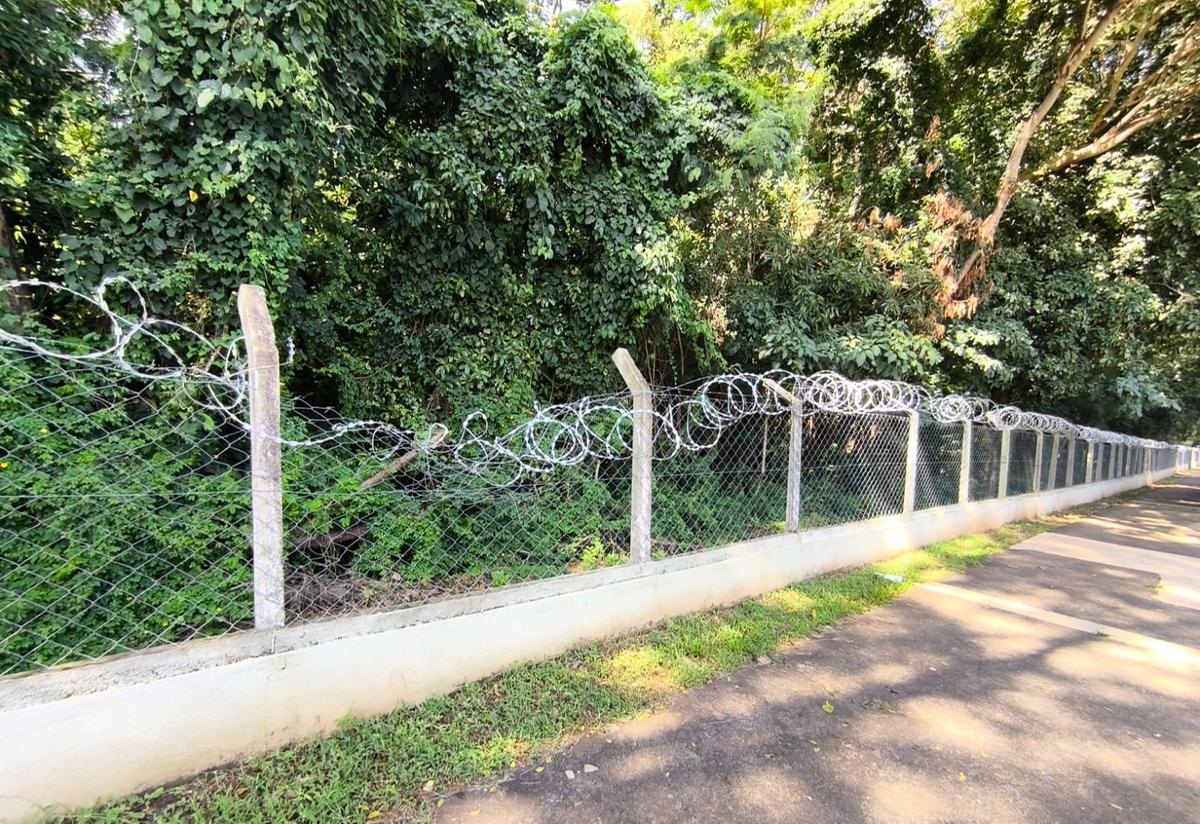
19	300
976	263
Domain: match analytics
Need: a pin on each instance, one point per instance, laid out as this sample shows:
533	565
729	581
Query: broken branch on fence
401	462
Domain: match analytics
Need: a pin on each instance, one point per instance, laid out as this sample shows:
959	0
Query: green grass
396	766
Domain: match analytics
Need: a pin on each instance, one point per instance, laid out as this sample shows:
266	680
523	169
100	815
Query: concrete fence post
1070	462
795	454
1052	477
795	465
1005	459
1037	462
266	458
642	488
964	465
912	455
1112	460
1090	464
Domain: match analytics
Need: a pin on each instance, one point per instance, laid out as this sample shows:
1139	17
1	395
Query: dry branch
398	464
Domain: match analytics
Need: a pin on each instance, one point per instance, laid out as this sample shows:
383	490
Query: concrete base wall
81	734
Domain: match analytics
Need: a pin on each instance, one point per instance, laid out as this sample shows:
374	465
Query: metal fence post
964	465
266	486
642	488
1070	462
1037	462
1005	458
912	455
1052	477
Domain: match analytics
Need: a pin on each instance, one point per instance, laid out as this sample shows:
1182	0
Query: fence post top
629	371
785	395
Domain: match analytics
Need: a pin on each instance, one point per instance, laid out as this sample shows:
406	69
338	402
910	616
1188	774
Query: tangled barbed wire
687	418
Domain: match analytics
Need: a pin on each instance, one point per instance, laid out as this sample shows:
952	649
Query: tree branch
1108	141
1131	50
1012	172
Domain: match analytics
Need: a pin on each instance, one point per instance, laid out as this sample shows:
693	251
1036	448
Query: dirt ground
1055	683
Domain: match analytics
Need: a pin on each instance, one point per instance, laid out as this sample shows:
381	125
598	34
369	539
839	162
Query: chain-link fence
853	467
728	488
1079	464
124	514
1023	462
940	464
368	528
127	471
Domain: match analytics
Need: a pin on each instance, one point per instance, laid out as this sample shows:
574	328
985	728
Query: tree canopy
458	205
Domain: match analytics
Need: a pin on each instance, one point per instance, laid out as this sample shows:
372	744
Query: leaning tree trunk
976	264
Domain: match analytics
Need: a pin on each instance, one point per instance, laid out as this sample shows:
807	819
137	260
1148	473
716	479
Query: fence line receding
157	486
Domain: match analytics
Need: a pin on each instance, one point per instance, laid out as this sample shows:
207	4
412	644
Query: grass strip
395	767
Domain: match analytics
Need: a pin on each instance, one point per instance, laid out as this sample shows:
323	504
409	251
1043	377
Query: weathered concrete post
964	465
642	488
1090	463
1005	457
1052	478
912	455
266	486
1113	449
1147	464
795	495
1070	462
795	454
1037	462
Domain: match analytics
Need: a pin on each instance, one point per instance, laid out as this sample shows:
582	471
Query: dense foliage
462	205
467	205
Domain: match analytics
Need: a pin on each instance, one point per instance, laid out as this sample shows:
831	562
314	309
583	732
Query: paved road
1059	682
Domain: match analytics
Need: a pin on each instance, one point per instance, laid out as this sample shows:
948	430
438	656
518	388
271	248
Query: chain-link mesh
732	491
124	515
1022	462
1079	474
853	467
366	530
939	464
985	463
1060	464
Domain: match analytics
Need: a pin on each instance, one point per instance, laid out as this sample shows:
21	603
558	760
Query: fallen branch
398	464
